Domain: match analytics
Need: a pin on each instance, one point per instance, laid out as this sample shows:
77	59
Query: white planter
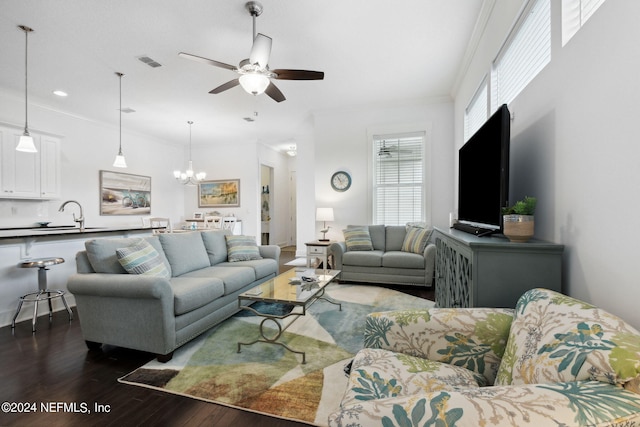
518	228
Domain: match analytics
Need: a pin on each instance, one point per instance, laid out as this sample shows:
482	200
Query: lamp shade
254	84
26	144
324	214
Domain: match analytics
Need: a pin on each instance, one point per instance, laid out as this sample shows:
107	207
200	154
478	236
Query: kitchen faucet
79	220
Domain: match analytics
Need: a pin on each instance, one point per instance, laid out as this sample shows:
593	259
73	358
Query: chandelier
188	177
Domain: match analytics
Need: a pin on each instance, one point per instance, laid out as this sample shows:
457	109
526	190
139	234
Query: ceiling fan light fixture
254	83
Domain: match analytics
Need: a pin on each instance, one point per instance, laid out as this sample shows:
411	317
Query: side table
318	249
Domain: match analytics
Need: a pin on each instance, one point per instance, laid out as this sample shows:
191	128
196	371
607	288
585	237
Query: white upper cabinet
29	175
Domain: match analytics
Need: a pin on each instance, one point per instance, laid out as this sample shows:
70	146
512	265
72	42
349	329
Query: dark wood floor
53	367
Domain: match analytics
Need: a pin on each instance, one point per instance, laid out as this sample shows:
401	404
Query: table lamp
324	215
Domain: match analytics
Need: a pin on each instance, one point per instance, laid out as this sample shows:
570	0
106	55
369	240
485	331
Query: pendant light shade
120	162
25	143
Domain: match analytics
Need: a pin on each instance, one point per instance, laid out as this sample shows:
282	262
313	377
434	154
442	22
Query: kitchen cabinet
29	175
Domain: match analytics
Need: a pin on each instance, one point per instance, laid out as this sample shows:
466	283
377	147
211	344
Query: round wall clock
341	181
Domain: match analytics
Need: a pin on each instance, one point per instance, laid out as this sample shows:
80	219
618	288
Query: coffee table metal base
267	333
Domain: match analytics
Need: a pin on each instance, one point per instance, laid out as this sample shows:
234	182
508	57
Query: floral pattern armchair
553	360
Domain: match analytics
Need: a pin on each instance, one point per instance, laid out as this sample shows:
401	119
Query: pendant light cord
26	30
120	109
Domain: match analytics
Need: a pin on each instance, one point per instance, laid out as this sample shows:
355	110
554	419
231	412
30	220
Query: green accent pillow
142	258
416	239
358	239
242	248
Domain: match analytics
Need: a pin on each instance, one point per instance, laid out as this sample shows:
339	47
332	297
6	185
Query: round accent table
43	293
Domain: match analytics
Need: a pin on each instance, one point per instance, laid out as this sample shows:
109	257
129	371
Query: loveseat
156	293
553	361
389	254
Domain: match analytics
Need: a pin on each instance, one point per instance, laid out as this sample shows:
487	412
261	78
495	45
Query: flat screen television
483	176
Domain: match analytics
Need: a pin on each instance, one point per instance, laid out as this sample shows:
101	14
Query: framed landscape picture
219	194
124	194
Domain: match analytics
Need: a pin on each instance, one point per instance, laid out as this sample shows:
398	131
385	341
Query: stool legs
42	294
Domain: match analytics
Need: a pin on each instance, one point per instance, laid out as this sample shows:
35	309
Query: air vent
150	62
248	119
128	110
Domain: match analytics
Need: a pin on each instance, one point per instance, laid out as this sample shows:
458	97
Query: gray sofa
159	314
387	262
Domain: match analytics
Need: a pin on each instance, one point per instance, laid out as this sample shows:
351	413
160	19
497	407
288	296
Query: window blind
477	112
398	187
525	54
574	14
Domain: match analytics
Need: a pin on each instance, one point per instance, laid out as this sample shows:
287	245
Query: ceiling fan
388	151
255	75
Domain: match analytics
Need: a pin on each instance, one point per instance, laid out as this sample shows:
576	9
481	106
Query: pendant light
26	140
188	177
120	161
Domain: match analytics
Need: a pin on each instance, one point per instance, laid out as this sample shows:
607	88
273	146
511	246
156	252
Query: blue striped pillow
142	258
242	248
357	238
416	239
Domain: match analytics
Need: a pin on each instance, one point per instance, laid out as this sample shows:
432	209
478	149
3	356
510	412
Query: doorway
266	182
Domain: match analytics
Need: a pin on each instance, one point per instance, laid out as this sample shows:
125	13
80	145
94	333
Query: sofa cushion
233	278
378	374
142	258
185	252
363	258
399	259
357	238
102	253
190	293
394	236
216	245
378	237
242	248
555	338
416	239
261	267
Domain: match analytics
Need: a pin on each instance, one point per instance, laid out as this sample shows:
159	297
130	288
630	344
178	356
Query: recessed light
60	93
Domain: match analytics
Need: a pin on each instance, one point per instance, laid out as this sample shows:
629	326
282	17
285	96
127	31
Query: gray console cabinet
491	271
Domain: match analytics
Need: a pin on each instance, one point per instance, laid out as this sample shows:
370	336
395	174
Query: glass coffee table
299	288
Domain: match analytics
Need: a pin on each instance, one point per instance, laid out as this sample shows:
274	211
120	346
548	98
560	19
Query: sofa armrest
474	338
127	310
430	263
566	404
119	286
337	249
270	251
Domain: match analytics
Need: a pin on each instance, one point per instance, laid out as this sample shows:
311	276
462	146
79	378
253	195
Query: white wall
341	143
574	146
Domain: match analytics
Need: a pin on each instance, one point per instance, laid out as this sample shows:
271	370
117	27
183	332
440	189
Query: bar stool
43	293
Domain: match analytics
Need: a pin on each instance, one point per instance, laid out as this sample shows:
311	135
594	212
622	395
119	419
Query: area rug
266	378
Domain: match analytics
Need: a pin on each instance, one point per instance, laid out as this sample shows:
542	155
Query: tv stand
472	229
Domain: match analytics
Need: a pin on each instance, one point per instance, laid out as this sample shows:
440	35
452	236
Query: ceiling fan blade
298	75
261	50
208	61
274	93
226	86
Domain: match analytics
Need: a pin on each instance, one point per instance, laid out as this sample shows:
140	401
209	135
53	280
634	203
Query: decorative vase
518	228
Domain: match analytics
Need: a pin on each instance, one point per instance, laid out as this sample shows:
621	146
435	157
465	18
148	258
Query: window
477	112
574	14
525	53
398	178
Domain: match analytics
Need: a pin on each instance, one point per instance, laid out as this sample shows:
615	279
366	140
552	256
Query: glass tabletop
291	287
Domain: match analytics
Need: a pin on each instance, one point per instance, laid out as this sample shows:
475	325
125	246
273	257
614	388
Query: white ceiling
371	51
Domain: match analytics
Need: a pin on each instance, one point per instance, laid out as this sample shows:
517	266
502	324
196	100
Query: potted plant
517	220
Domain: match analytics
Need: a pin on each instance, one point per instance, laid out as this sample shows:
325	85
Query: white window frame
526	51
390	131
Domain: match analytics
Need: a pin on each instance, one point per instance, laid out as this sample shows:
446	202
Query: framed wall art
124	194
219	194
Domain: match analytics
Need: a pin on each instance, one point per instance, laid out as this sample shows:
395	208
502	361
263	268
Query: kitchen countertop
63	231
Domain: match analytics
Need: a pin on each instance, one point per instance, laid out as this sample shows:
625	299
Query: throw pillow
142	258
357	239
242	248
416	239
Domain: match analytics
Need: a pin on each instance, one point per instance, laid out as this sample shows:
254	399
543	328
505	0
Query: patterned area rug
266	378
